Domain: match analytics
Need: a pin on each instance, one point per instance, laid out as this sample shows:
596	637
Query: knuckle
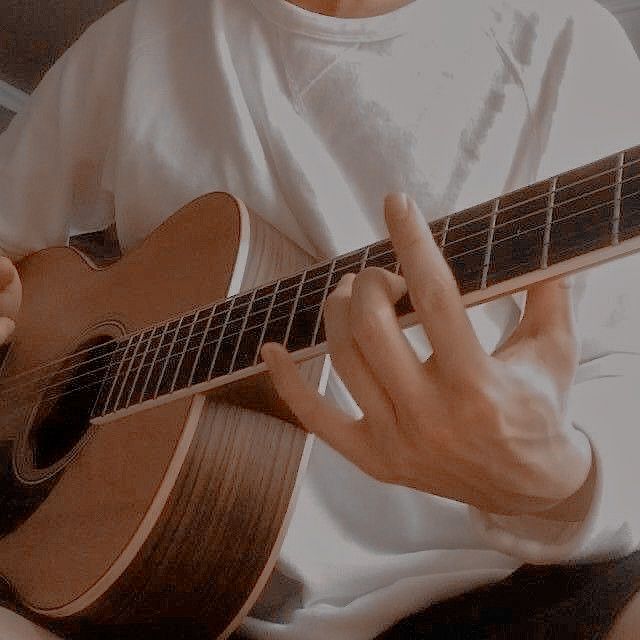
368	322
367	278
438	295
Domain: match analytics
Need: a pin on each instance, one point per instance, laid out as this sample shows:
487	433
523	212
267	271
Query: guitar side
174	515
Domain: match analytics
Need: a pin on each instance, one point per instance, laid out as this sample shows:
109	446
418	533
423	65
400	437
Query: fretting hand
10	298
488	430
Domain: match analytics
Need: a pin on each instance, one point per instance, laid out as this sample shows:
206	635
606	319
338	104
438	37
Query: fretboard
529	230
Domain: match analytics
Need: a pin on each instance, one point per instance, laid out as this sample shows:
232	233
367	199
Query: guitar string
547	193
4	389
356	251
211	307
224	336
167	357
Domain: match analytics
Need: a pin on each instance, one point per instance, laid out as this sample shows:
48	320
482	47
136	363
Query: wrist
576	466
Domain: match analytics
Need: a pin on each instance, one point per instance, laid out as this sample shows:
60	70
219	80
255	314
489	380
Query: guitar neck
554	227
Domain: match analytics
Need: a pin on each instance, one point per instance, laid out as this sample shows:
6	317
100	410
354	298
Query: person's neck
350	8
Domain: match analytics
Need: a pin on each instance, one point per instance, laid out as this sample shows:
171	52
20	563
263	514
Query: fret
117	380
318	331
365	257
172	356
518	237
308	308
192	354
225	349
440	228
349	263
292	313
147	362
465	246
249	346
544	261
487	255
615	224
268	296
281	312
108	381
184	335
211	342
240	336
380	255
160	358
583	210
134	370
630	196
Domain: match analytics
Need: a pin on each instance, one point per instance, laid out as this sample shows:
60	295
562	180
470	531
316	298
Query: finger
432	287
317	415
379	336
7	327
549	317
549	307
346	357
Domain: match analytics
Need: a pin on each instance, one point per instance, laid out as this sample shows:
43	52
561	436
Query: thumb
316	413
549	319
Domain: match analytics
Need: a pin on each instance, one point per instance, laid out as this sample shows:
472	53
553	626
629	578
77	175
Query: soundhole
61	420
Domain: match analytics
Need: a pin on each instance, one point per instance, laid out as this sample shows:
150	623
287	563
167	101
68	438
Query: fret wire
325	292
168	356
445	230
244	324
293	311
266	321
487	255
104	381
546	241
204	336
184	351
219	339
365	257
617	202
115	377
144	355
152	364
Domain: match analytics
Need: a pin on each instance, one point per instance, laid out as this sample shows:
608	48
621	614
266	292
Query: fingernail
396	205
273	351
268	353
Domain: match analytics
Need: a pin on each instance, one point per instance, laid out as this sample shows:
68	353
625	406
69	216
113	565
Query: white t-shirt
311	120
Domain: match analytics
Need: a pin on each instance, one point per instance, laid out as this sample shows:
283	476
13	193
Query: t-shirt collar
295	18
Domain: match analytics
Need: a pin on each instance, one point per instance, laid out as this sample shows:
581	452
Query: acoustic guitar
148	469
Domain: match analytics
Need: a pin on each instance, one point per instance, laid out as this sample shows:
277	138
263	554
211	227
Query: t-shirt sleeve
594	112
53	152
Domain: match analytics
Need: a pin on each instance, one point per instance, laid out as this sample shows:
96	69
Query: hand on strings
487	430
10	298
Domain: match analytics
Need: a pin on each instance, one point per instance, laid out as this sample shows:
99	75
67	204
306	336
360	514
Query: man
311	113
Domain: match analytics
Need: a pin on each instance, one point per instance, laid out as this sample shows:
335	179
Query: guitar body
172	515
